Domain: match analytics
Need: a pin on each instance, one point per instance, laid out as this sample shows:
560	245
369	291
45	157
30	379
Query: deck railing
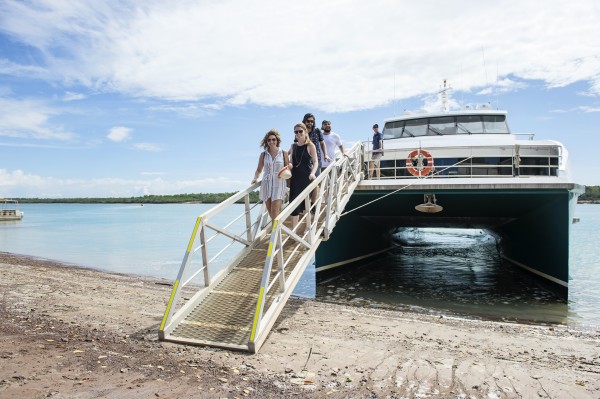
473	161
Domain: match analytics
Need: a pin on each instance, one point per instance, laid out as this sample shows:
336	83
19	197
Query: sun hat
284	173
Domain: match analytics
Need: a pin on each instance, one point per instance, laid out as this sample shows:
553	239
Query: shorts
376	158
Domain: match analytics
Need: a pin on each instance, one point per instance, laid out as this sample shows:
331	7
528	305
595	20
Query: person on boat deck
272	160
377	152
304	164
332	142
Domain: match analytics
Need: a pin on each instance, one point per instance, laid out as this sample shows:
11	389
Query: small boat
10	210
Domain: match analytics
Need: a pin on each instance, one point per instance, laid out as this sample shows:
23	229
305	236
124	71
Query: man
377	152
332	142
317	138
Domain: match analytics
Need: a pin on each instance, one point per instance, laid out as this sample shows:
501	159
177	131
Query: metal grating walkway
225	316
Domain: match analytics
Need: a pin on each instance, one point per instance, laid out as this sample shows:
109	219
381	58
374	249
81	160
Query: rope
402	188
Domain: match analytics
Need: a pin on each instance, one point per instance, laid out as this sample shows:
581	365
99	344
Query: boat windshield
446	125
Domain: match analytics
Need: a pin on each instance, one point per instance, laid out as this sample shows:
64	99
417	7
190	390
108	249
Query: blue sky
126	98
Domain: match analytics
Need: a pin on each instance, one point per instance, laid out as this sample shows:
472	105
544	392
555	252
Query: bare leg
268	205
294	222
371	165
275	208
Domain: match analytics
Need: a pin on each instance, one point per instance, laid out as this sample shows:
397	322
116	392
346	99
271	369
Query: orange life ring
415	164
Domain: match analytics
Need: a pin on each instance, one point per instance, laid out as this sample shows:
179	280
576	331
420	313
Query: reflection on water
451	272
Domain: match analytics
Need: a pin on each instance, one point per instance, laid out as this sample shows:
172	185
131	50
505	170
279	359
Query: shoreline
75	332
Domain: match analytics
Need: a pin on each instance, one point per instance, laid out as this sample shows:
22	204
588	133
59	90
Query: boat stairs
238	272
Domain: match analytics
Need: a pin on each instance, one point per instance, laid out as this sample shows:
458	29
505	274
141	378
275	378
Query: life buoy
419	163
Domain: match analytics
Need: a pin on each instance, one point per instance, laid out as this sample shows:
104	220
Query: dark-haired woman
304	165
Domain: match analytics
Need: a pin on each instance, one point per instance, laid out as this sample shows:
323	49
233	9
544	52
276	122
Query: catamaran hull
532	225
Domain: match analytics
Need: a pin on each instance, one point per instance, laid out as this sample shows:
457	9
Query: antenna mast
444	97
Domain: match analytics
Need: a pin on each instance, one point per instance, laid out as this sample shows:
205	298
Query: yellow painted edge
270	249
274	225
189	248
164	320
255	323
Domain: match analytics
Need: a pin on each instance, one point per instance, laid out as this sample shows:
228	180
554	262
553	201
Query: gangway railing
236	248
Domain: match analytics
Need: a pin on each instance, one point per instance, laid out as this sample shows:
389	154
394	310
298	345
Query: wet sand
71	332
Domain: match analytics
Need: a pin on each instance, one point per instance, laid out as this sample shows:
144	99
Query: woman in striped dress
272	160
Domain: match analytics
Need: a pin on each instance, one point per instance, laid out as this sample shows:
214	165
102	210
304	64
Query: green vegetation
592	194
211	198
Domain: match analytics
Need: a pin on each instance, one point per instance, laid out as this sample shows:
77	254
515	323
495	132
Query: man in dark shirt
377	152
316	136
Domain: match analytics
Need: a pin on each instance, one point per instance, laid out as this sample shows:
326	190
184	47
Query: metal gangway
232	286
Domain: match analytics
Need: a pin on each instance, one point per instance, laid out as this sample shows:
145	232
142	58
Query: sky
129	98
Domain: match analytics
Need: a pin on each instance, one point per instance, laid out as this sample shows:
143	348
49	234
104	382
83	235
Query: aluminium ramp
225	317
237	307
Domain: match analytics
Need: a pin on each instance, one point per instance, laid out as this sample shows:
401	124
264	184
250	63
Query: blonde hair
305	129
272	132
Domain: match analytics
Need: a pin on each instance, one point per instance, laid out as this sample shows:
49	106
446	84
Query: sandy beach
71	332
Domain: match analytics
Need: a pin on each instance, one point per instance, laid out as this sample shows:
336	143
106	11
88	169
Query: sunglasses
298	131
271	139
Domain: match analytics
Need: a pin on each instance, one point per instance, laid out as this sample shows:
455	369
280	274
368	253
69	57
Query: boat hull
532	223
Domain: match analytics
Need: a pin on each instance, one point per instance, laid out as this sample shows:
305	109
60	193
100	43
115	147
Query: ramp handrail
336	184
204	223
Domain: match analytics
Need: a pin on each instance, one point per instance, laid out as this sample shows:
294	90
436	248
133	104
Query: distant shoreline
202	198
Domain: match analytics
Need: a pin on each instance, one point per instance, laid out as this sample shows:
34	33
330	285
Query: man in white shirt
332	142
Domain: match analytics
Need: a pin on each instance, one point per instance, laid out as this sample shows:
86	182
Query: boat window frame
454	125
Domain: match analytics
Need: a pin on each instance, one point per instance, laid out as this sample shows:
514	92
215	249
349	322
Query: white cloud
331	56
70	96
119	134
150	147
588	109
19	184
30	119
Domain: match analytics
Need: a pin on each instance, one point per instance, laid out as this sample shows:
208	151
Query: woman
272	159
304	164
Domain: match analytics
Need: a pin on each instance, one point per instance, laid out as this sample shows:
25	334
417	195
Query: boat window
442	126
495	124
415	127
393	130
469	124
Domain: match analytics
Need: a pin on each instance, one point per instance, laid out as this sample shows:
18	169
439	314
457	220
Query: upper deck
463	122
464	143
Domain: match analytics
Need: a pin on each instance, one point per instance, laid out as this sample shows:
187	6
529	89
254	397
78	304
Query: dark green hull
532	224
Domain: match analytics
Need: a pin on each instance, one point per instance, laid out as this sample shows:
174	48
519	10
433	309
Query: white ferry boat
463	169
10	210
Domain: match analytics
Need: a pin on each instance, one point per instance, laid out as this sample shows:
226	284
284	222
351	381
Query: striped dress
272	187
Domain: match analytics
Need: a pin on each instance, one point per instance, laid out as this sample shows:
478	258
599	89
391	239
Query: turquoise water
151	240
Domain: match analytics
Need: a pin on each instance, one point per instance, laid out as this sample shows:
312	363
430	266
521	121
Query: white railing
216	240
470	161
292	249
218	255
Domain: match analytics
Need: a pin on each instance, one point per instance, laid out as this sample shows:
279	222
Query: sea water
441	271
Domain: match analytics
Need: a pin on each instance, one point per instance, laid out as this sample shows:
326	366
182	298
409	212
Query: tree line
592	194
202	198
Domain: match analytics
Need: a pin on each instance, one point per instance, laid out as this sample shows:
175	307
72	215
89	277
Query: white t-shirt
332	142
